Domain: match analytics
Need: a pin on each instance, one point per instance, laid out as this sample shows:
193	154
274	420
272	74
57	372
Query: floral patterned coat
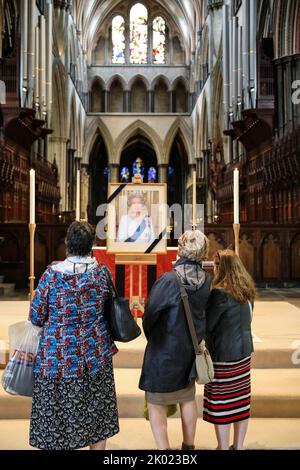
70	308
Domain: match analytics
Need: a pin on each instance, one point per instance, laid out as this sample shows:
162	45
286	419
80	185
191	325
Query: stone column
106	101
126	101
246	52
235	38
85	178
114	173
24	47
225	64
49	89
58	151
31	52
253	34
150	104
163	173
171	101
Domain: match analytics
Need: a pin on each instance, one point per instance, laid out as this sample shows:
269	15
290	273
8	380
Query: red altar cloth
164	264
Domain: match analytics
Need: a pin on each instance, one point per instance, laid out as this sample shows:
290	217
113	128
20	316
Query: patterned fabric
227	399
73	413
70	307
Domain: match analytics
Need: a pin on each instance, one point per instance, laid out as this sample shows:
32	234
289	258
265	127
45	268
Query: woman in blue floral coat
74	399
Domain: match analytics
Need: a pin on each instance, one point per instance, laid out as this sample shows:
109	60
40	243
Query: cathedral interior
92	86
87	87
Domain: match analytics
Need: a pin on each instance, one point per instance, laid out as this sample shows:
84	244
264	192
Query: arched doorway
177	172
176	179
138	147
99	177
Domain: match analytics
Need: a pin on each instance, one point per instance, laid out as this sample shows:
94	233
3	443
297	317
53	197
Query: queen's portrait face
136	206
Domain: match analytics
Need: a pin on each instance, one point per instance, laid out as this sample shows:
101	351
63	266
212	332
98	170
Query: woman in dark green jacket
229	340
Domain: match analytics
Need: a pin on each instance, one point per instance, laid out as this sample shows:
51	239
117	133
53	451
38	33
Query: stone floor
275	422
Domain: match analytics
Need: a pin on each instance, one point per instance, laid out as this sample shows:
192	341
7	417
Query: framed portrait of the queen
137	218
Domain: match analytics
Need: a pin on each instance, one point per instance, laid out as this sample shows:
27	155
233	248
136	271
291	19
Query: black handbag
121	324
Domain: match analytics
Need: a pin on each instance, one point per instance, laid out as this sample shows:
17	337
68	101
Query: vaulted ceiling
90	14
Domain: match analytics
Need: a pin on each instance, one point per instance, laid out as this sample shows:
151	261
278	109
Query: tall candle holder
236	230
32	228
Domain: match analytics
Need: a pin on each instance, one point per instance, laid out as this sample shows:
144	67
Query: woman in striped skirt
229	339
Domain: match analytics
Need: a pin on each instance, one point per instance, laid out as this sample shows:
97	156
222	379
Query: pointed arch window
118	40
159	40
152	175
125	175
138	34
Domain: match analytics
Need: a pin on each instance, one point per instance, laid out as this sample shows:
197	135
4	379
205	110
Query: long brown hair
232	276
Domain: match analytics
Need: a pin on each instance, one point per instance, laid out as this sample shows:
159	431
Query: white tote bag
23	345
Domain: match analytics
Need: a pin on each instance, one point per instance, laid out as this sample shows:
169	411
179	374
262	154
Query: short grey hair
135	195
193	244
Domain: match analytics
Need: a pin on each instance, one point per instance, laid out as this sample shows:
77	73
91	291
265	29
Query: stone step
261	359
135	434
275	394
130	356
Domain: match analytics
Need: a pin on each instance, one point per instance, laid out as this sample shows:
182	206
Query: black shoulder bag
122	326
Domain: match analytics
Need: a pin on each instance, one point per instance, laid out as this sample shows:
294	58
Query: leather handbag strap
188	314
111	283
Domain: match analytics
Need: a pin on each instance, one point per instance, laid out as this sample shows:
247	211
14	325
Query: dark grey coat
169	356
228	326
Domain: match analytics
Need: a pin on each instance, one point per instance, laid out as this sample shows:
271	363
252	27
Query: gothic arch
96	127
181	126
116	77
136	128
95	80
136	78
180	79
160	78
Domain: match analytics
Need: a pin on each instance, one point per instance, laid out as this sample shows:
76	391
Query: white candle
194	198
236	206
32	198
78	196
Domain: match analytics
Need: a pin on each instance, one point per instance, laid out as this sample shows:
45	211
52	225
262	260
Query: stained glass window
159	40
118	40
138	34
125	175
138	167
151	174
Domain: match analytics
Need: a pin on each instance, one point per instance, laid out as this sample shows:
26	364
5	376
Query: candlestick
236	231
32	198
236	209
194	225
32	228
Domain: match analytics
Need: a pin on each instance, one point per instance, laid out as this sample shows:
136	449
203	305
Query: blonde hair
232	276
193	244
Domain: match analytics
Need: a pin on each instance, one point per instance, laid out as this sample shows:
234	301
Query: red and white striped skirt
227	399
